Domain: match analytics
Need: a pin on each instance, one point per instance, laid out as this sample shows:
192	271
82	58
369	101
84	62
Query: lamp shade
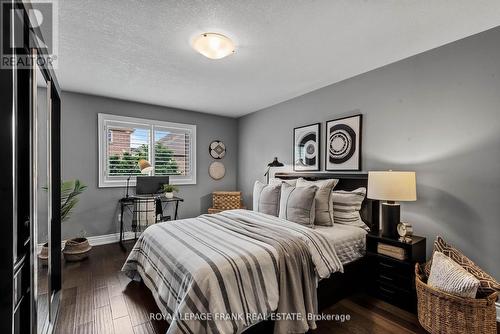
145	166
275	163
392	186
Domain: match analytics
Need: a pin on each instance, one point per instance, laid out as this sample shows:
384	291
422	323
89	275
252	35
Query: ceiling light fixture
213	45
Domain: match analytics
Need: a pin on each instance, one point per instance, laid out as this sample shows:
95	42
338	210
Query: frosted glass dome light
213	45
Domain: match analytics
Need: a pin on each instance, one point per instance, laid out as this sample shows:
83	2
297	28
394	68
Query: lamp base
390	219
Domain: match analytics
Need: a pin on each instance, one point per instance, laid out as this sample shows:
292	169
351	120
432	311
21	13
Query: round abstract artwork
217	149
341	143
308	145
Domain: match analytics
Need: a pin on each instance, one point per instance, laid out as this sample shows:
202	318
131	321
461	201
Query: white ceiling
140	50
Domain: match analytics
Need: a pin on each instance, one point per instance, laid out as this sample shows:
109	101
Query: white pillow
266	198
324	204
450	277
297	204
346	206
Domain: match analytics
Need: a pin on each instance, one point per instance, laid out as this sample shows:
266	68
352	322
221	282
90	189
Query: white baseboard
105	239
98	240
498	311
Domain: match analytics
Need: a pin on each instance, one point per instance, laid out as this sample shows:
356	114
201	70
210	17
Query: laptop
150	185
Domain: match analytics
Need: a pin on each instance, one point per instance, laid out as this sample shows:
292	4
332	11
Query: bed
226	273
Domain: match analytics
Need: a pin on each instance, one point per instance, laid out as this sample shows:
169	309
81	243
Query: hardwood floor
98	298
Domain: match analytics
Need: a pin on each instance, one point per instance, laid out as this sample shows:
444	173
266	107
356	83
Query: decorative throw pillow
448	276
266	198
488	283
275	181
346	206
323	205
297	204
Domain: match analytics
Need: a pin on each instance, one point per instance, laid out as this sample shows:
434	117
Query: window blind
123	141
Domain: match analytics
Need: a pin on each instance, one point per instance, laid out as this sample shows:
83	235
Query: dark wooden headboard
347	181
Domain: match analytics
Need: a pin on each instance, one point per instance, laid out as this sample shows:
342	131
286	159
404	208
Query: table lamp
391	187
274	163
144	166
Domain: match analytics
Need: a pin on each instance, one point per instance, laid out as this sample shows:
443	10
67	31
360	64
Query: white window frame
104	120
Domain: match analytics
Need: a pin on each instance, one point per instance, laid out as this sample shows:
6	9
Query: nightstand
391	279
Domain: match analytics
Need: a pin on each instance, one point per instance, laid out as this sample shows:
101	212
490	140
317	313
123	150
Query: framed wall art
343	144
217	149
306	148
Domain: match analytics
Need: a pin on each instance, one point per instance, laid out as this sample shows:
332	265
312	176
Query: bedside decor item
442	313
488	283
346	207
169	190
392	279
343	144
225	200
405	230
323	201
274	163
392	251
216	170
306	147
448	276
266	198
217	149
297	204
145	168
391	186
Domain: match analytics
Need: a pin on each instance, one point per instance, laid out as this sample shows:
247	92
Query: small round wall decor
217	149
217	170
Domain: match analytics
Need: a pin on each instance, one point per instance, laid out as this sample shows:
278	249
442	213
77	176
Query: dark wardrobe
30	170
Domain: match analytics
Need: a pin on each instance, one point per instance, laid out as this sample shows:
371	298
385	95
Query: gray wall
437	113
98	209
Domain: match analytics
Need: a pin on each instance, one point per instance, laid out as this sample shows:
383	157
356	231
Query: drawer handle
386	265
387	278
386	290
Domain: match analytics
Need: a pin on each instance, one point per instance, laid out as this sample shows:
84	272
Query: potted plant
77	248
169	190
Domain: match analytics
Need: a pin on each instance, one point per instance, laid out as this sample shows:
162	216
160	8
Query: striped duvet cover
223	273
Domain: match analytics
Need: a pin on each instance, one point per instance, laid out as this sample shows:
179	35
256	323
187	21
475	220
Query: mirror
42	204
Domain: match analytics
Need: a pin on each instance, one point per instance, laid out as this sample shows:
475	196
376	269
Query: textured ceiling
140	50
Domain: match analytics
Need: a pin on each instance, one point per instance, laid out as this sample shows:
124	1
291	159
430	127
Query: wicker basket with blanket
440	312
225	200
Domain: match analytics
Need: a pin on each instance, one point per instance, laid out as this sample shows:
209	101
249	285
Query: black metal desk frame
125	201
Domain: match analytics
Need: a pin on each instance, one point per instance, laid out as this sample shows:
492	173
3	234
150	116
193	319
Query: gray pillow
323	205
266	198
297	204
448	276
275	180
346	206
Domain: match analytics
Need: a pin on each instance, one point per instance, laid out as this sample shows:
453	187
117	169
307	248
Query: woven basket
226	200
76	249
440	312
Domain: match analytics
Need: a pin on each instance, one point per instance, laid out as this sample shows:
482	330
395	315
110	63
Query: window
123	141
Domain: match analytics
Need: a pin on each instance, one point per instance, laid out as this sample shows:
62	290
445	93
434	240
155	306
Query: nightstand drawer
403	298
403	282
386	264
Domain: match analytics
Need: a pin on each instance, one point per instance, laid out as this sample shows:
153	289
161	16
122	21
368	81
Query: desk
126	201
